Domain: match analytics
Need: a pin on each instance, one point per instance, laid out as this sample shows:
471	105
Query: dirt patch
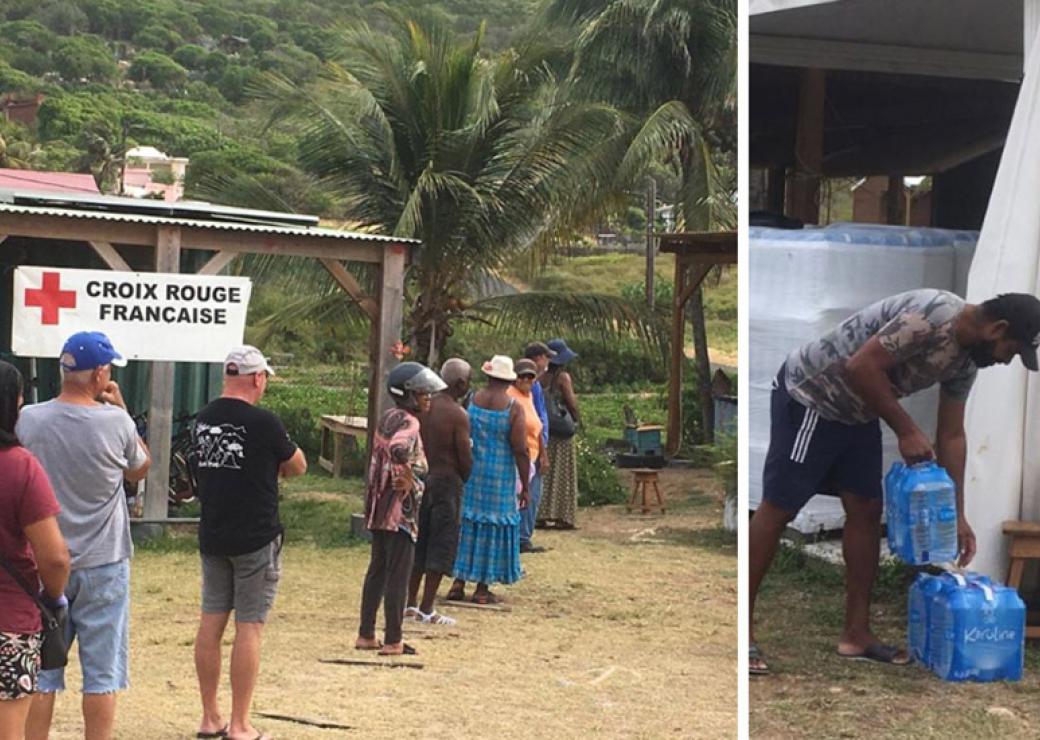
611	633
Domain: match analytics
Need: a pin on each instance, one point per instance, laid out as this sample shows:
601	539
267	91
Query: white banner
147	315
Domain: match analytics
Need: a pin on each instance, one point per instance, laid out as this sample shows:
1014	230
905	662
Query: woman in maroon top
32	543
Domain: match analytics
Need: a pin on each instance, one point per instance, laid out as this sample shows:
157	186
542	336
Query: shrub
597	479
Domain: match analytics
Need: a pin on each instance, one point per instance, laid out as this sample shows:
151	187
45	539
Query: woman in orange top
526	374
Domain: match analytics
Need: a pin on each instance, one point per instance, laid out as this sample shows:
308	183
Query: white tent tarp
1002	480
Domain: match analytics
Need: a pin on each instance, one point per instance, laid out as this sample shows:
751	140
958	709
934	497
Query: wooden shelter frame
696	253
168	236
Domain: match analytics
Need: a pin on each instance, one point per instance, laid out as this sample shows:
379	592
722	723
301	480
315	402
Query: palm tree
420	134
672	63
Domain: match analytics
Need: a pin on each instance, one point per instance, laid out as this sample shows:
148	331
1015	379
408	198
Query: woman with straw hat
489	542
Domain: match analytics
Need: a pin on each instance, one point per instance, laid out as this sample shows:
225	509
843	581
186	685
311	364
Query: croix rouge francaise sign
147	315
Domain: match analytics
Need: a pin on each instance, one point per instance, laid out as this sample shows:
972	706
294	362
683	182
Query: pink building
150	173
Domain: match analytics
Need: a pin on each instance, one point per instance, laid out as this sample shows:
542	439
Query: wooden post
803	189
676	359
160	410
386	332
651	212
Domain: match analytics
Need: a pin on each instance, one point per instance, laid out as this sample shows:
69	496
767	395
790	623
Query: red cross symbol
50	298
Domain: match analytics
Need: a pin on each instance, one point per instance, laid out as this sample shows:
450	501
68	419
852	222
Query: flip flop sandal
456	594
215	734
411	612
377	646
406	649
755	654
879	653
484	599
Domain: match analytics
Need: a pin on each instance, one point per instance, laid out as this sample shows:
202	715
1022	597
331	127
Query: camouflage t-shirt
917	328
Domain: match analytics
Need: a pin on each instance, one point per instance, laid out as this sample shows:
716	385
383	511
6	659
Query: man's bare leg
38	726
99	716
764	532
433	582
413	588
245	666
861	544
207	668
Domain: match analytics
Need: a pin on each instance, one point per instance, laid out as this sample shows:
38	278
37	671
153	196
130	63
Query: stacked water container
921	513
966	627
805	282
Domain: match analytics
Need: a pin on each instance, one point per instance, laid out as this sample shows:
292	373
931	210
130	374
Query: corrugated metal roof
253	228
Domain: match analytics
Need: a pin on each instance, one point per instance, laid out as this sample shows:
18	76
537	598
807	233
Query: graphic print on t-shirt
220	446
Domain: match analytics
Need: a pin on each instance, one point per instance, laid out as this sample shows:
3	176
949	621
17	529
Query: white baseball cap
246	360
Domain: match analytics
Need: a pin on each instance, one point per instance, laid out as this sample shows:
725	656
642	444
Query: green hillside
175	74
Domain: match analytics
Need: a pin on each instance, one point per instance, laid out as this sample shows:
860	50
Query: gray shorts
246	583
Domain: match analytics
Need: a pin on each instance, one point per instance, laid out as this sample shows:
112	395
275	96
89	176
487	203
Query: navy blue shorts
809	454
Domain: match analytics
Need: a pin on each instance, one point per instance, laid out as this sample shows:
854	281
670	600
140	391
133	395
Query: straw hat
499	367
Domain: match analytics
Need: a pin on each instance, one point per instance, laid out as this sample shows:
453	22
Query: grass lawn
610	273
624	628
814	692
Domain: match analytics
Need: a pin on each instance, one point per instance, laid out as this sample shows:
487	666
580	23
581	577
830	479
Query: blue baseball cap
88	350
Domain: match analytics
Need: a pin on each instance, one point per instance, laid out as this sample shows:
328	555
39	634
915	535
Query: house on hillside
150	173
21	108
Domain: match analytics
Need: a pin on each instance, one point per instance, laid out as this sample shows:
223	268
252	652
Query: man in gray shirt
88	444
825	435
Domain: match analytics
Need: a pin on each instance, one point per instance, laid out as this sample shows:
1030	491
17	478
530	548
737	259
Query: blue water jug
922	513
919	615
977	632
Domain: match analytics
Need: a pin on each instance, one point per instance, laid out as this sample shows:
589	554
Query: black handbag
561	423
54	651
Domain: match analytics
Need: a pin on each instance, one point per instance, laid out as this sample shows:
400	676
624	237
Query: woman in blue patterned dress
489	543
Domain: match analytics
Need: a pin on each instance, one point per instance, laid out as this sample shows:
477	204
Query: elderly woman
560	486
489	543
32	546
526	378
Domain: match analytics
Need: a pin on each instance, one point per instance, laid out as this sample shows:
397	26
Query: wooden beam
217	263
80	230
240	242
698	271
803	186
353	288
245	242
791	51
110	256
160	410
386	333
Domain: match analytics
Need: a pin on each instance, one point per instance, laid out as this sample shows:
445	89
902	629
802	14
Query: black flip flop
879	653
212	735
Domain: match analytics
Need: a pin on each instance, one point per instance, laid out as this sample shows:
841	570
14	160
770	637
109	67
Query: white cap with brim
246	360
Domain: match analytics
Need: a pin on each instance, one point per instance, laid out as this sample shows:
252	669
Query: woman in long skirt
560	485
489	541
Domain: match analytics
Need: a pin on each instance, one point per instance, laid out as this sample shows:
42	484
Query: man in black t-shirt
239	453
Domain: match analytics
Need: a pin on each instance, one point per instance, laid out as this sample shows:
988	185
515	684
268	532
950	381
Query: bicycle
181	486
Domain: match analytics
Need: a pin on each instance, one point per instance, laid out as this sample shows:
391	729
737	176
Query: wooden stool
644	478
1025	546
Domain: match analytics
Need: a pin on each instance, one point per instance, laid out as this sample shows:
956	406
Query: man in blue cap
88	444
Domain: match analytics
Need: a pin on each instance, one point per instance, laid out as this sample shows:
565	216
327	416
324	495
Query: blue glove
53	603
